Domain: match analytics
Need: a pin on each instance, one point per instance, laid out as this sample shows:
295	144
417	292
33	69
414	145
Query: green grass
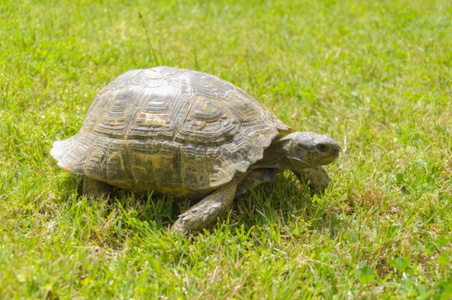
374	75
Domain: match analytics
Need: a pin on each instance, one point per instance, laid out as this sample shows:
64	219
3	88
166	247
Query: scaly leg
254	179
207	210
95	189
316	178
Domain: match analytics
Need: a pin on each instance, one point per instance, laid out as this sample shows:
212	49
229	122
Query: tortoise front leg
316	178
95	189
254	179
206	211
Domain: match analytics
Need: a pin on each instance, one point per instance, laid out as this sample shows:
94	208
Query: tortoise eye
322	147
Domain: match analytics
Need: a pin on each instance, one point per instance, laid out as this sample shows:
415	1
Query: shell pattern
169	130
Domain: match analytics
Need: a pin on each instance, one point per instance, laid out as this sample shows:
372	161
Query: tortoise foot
316	178
207	211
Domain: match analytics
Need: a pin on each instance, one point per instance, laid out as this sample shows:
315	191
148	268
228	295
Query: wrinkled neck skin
275	156
300	150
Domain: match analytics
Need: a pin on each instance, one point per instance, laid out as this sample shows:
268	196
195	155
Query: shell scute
169	130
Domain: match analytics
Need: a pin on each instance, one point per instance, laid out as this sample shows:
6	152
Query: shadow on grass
284	203
276	204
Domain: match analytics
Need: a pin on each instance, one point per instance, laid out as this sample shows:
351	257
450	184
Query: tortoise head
309	149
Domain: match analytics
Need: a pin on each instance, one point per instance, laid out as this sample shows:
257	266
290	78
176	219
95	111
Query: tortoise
188	134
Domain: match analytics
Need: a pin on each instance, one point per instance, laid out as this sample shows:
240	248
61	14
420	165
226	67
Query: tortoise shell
169	130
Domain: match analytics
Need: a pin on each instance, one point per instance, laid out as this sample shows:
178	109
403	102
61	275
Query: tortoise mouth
299	161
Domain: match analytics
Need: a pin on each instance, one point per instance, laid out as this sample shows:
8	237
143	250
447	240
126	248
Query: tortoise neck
275	156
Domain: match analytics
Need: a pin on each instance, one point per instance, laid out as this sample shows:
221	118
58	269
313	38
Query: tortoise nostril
322	147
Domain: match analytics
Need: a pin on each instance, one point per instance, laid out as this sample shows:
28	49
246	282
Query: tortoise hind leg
95	189
206	211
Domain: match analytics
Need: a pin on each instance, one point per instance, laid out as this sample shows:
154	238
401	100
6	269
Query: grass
374	75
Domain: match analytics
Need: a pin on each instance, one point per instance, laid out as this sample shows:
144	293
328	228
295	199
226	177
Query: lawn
374	75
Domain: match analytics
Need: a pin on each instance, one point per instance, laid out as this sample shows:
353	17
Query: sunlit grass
374	75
